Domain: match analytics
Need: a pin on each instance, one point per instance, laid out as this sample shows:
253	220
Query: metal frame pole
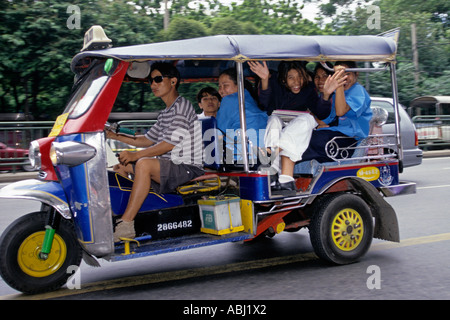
241	97
397	114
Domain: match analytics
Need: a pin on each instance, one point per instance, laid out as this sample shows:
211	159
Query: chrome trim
34	155
402	188
71	153
324	65
241	97
28	189
396	105
342	154
99	198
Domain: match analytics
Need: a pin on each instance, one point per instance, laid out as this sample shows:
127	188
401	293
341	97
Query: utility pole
166	15
415	55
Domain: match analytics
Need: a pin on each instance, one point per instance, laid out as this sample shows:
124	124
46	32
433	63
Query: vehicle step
150	248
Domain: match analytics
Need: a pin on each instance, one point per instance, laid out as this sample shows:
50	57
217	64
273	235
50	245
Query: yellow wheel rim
347	229
28	255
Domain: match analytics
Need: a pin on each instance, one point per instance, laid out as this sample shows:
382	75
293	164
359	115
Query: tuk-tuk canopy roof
257	47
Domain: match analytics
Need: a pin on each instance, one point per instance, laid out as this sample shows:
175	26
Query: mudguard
386	223
48	192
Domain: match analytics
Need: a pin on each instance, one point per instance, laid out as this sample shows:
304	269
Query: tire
20	266
341	229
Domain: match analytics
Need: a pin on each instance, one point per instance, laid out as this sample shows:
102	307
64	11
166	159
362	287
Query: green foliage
37	44
433	42
184	28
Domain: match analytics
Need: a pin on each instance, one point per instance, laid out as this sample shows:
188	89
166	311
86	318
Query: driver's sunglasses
157	79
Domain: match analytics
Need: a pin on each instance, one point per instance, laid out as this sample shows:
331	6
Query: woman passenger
228	119
289	89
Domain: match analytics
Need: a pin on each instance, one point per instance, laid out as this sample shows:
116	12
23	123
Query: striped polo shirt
179	126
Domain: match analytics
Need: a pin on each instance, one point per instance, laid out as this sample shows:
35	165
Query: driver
159	164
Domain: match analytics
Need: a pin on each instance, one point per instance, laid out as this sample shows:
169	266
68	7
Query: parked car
10	156
412	155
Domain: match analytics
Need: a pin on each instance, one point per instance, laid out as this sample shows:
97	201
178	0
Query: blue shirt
228	116
356	122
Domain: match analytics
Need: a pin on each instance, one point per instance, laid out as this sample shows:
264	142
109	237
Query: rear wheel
20	264
341	229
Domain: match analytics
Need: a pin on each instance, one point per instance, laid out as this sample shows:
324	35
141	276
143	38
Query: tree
431	19
38	43
184	28
35	74
34	66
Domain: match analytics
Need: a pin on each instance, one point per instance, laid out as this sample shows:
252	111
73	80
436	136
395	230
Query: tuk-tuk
431	116
340	202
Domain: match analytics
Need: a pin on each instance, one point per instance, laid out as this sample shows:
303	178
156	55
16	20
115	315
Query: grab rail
373	148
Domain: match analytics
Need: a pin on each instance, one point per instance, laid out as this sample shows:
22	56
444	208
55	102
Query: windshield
89	87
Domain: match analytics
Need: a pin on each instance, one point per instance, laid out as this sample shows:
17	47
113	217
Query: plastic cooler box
220	216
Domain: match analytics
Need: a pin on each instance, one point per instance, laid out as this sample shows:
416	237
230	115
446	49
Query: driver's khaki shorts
173	175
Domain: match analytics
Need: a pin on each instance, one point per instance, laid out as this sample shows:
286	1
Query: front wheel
20	264
341	230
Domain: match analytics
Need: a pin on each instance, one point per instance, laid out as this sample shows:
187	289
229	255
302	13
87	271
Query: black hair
167	70
232	73
285	66
210	90
350	64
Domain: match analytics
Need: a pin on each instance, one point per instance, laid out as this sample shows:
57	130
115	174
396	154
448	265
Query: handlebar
354	69
115	127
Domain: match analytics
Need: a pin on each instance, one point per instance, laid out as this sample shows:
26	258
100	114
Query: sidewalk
7	177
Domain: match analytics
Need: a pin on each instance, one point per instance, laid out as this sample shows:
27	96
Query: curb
8	177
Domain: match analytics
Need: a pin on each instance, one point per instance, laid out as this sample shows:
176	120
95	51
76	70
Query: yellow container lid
215	201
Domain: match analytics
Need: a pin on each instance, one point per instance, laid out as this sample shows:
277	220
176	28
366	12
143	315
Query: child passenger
155	165
349	118
290	89
208	100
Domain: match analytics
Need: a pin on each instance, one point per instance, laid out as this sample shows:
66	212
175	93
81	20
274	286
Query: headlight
34	155
71	153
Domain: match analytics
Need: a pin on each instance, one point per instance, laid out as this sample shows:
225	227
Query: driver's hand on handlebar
126	157
110	134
